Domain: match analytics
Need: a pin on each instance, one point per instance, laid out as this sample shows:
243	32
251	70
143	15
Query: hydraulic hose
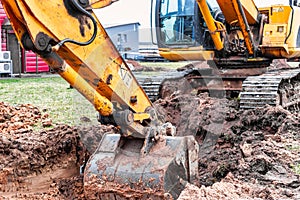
68	40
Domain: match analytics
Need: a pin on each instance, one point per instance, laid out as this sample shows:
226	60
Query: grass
52	95
296	168
168	65
296	149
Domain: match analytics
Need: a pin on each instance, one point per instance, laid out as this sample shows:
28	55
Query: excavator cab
179	24
238	39
176	21
181	27
295	3
231	32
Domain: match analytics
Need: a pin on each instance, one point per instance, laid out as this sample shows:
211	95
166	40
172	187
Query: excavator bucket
117	169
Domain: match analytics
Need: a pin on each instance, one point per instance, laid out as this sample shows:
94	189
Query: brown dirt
243	154
44	164
33	163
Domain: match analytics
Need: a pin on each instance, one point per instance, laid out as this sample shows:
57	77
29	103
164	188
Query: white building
124	36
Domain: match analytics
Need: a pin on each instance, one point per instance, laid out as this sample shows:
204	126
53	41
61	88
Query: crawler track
275	87
151	84
278	87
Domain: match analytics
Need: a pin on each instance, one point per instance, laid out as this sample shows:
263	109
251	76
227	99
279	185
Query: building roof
119	24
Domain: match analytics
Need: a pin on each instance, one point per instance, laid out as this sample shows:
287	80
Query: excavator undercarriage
255	87
239	41
276	87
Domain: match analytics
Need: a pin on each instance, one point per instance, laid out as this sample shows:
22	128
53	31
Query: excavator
147	160
238	42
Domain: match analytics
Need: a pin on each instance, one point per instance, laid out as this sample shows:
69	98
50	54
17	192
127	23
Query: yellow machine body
281	33
263	33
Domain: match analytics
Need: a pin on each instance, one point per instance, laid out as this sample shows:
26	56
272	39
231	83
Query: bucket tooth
118	169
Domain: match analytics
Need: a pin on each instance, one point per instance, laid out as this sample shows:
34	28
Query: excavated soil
251	154
243	154
42	164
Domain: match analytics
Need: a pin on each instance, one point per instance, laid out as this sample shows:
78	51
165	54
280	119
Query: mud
243	154
45	164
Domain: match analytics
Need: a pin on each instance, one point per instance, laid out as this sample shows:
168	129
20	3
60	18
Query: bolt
42	42
109	79
133	99
130	117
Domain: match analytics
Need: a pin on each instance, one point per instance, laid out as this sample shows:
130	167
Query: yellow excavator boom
145	157
245	13
96	70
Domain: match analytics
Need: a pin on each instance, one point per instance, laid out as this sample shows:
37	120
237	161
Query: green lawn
168	65
51	94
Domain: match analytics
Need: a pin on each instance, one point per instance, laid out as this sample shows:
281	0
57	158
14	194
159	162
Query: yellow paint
281	33
232	13
186	54
211	24
101	103
228	10
140	117
99	3
95	62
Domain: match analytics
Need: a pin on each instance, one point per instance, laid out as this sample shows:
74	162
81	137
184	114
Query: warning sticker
280	9
125	75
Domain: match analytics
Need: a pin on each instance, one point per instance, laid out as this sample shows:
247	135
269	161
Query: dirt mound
17	119
243	154
43	164
197	115
31	162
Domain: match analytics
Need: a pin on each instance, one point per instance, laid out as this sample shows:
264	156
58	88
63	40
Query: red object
30	57
2	18
31	63
2	13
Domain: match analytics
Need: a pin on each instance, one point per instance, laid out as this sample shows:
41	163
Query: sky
127	11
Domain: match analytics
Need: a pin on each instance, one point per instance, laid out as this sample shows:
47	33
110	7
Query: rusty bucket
118	169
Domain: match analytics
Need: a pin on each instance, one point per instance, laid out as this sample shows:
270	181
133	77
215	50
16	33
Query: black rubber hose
81	9
240	7
291	27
